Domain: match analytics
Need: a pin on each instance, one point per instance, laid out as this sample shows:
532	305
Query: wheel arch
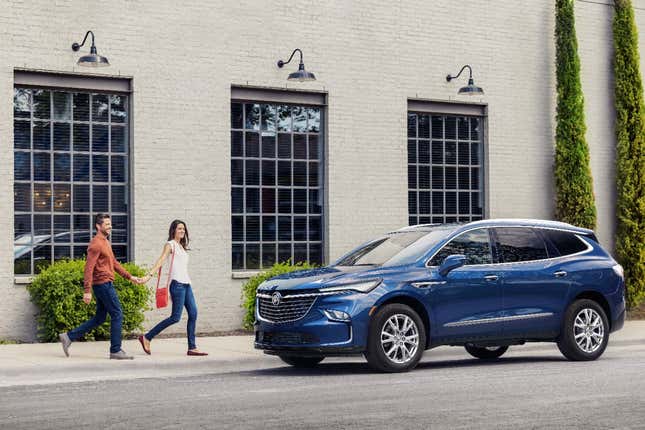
598	298
415	304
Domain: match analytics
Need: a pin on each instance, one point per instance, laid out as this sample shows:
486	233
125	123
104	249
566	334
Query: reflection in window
60	180
519	244
474	245
276	162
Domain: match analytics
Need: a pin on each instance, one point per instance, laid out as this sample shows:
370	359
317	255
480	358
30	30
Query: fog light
333	315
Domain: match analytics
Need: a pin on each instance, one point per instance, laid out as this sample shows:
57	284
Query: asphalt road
530	387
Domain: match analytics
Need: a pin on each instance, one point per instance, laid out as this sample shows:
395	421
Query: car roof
505	222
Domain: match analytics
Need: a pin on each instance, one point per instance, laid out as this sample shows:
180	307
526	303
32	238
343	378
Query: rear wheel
585	331
397	339
485	352
301	361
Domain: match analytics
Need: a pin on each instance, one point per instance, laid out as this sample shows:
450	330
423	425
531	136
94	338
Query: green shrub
574	202
630	153
249	288
58	293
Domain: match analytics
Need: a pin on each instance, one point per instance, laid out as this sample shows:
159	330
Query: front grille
289	309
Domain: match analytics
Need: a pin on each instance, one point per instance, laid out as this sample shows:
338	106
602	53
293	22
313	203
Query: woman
180	290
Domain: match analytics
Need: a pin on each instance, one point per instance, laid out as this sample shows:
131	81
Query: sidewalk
45	363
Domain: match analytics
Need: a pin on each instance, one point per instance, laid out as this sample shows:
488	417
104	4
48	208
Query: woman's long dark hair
171	233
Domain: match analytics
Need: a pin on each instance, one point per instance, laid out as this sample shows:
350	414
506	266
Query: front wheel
485	352
397	339
585	331
301	361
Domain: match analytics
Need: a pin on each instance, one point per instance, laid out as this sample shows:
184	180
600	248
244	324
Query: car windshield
394	248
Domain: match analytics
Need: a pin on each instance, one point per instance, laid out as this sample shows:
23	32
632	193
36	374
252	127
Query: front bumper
314	334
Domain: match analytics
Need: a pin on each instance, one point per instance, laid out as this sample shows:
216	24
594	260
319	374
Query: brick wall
370	56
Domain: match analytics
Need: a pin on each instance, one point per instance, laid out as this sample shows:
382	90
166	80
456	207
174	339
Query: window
519	244
474	244
70	162
445	174
378	252
276	184
566	243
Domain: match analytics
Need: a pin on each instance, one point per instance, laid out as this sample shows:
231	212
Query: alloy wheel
588	330
400	338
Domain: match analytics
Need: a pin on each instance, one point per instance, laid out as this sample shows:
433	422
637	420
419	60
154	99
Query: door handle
560	274
491	278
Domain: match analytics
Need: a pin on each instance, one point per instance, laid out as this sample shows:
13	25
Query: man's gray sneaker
65	342
121	355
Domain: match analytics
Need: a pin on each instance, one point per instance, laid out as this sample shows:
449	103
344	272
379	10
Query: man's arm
93	253
121	271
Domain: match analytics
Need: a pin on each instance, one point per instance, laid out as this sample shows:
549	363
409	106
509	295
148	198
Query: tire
303	362
585	331
387	335
485	352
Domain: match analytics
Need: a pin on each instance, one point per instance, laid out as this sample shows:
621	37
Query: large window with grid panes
70	162
276	183
445	168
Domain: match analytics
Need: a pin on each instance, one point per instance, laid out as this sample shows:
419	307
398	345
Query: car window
379	251
565	242
519	244
473	244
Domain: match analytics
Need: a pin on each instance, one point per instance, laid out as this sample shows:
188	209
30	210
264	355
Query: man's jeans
107	302
182	295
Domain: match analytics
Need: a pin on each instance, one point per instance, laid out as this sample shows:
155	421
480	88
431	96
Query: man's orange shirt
101	263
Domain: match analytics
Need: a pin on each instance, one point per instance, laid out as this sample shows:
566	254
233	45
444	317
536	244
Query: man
99	275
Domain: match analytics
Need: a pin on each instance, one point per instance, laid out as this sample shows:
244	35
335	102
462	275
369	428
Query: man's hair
100	217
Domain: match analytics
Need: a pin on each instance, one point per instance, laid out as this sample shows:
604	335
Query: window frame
254	95
72	83
454	109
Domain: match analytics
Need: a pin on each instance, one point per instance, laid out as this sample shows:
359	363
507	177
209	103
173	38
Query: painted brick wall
370	56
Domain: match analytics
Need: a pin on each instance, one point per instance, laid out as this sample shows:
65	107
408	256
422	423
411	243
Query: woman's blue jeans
182	295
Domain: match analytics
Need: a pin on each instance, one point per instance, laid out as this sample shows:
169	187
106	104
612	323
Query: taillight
618	270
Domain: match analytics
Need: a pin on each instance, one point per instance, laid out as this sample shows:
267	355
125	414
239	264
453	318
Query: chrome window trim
575	233
499	319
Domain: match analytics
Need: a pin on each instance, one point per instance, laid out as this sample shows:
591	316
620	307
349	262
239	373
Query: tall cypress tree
630	153
574	188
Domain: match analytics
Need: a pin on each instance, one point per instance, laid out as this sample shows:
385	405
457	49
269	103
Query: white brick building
179	65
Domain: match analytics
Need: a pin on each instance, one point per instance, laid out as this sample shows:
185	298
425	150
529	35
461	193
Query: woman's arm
164	254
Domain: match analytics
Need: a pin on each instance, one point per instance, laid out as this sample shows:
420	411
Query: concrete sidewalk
45	363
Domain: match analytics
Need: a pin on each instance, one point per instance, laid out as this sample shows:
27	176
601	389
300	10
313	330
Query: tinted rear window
566	243
519	244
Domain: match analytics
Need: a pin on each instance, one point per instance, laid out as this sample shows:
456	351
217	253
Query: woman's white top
180	263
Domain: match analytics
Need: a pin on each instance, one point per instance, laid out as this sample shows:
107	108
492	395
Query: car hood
318	278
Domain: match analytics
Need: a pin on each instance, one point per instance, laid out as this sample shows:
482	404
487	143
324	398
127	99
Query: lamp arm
470	73
76	46
282	63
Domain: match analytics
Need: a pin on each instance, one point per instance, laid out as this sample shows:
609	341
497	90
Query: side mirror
451	263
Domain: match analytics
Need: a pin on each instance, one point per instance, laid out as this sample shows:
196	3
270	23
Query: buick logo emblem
276	298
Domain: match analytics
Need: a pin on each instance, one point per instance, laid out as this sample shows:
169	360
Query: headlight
361	287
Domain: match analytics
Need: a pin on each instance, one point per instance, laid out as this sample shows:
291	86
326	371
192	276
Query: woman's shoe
196	352
145	344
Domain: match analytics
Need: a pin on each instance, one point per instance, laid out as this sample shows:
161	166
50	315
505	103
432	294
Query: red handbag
162	293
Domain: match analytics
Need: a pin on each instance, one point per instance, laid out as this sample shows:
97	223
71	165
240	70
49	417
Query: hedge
58	293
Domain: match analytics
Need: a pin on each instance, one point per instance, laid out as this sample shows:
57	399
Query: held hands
87	298
141	280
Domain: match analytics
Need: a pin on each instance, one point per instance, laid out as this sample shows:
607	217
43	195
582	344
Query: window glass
565	242
381	250
444	168
519	244
474	244
276	169
61	177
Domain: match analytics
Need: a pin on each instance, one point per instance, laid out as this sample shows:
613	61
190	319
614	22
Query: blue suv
484	285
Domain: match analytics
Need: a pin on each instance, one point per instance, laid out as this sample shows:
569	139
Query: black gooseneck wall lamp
471	89
93	59
301	75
